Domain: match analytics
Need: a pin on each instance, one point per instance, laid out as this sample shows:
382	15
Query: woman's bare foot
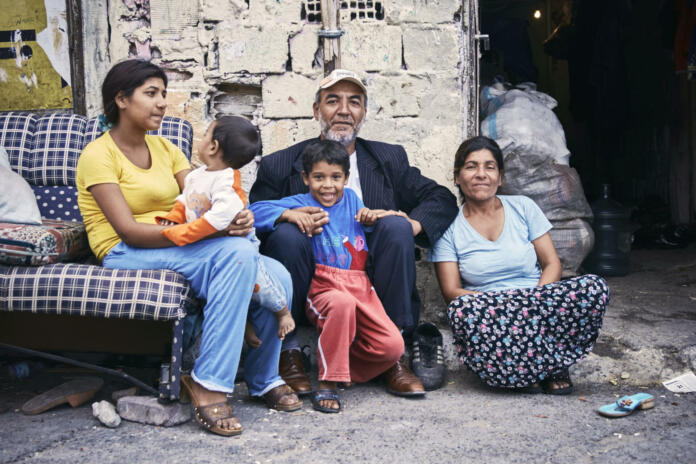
328	403
250	336
202	397
286	324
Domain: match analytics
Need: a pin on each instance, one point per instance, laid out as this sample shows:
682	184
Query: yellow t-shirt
148	192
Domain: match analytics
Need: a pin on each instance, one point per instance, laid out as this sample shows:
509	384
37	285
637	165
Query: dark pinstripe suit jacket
386	179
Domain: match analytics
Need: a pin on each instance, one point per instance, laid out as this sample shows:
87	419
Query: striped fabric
85	290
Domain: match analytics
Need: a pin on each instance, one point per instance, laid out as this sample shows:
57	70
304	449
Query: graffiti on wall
34	55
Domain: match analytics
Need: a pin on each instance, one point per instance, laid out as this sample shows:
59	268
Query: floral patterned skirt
514	338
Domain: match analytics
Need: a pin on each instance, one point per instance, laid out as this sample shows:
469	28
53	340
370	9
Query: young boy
357	340
213	197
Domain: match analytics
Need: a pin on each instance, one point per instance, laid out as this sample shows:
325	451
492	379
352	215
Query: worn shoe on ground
427	359
292	371
401	381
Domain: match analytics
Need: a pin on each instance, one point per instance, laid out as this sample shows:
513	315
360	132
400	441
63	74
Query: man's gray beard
343	139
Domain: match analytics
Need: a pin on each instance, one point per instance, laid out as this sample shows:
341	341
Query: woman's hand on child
366	216
241	224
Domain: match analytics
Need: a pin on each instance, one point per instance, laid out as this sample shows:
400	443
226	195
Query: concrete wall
257	57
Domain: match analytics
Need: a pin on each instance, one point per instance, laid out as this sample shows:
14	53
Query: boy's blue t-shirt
341	244
508	262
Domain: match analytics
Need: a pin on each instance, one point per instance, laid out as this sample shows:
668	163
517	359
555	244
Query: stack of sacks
523	123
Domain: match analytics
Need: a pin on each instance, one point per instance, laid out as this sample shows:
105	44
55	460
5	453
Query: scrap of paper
685	383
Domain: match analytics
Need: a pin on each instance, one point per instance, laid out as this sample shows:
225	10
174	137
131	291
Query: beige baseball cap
338	75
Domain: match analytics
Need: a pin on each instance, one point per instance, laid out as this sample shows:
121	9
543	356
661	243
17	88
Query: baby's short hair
239	140
325	150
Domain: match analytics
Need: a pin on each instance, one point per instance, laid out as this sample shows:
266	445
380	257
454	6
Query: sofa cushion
57	202
35	245
17	137
17	201
58	142
85	290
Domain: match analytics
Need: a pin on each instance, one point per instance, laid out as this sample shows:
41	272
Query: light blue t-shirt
509	262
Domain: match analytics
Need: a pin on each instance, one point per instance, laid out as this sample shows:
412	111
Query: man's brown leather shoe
292	371
401	381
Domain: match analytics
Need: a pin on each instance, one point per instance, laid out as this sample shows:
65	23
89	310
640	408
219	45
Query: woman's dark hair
239	140
473	144
125	77
325	150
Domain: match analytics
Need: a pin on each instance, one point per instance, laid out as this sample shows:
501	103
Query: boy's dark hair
125	77
325	150
239	140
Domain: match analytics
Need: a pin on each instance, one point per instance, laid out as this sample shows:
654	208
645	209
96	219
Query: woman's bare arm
548	260
118	213
450	283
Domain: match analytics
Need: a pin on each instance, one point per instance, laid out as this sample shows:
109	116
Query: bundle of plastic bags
523	123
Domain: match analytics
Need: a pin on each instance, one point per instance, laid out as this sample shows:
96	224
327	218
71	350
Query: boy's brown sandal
275	395
209	415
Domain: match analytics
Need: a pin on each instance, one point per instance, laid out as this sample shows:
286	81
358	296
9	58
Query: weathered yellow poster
34	55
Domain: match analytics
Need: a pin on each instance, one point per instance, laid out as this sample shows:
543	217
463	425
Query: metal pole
331	34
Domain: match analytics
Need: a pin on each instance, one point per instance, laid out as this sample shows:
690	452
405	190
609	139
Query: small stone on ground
106	413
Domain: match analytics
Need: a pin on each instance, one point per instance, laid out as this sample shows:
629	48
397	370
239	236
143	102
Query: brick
216	10
368	47
252	49
395	95
288	96
303	47
422	11
283	11
146	410
441	43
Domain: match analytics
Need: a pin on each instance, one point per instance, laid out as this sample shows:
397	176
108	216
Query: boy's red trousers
357	340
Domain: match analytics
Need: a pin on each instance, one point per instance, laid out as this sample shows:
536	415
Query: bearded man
381	176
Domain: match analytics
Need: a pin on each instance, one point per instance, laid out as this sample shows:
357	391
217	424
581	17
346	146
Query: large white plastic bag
523	120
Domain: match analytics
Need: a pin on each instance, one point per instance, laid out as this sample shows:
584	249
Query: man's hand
241	224
366	217
415	225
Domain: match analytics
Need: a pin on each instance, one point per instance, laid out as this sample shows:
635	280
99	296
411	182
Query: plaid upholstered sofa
43	268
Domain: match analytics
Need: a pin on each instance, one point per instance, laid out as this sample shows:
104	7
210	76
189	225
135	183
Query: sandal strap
212	413
327	395
275	395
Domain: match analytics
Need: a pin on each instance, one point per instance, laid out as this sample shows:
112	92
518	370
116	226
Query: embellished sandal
209	415
274	396
321	395
562	376
627	404
74	392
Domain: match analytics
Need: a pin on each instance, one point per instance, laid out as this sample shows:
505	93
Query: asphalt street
462	422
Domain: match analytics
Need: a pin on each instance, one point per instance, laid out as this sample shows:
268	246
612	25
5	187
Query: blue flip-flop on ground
627	404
